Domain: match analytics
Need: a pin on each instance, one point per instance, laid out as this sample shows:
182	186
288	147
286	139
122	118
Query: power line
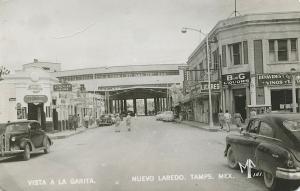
75	33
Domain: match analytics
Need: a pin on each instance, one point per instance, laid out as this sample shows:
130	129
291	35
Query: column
125	105
145	105
155	105
134	106
163	104
115	106
122	106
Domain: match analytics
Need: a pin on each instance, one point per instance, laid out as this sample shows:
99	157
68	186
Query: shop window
272	54
260	96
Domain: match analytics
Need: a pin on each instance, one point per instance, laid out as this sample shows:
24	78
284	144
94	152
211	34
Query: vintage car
23	138
168	116
271	142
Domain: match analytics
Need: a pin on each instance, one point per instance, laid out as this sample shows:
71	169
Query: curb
75	133
200	127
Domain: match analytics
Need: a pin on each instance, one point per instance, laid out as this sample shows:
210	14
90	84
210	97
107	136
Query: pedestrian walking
238	119
74	121
221	119
128	122
86	121
117	123
227	118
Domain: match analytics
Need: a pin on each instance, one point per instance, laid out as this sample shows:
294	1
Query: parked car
159	116
23	138
272	143
168	116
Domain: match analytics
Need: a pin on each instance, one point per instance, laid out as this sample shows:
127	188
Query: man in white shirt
227	118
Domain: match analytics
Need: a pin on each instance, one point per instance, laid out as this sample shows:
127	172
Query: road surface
155	155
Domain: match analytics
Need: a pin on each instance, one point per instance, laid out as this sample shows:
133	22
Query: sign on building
236	79
35	99
62	87
275	79
202	87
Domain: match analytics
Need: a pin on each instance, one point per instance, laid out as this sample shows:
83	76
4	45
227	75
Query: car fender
269	156
24	141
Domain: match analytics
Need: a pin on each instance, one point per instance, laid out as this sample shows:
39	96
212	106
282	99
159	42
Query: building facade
251	60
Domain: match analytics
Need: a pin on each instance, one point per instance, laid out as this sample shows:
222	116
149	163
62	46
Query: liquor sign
236	78
275	79
202	87
62	87
35	99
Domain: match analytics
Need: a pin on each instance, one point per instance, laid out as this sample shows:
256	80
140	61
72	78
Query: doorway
239	96
36	112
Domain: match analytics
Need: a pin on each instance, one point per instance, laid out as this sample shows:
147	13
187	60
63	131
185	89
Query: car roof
279	116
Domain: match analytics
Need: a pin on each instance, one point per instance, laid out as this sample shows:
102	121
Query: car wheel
271	182
47	146
231	159
26	153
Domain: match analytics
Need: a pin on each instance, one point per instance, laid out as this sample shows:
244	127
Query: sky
97	33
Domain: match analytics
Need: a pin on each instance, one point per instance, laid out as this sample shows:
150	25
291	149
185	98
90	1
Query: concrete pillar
155	105
134	106
164	104
125	105
122	106
145	105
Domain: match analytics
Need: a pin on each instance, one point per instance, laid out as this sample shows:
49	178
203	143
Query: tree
3	71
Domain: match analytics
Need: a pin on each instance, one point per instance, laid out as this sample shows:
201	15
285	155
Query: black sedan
23	138
271	144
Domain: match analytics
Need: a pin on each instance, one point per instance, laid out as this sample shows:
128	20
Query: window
235	53
265	130
245	52
283	50
216	59
224	56
294	55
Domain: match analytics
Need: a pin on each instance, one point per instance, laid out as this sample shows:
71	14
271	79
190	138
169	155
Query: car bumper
289	174
9	153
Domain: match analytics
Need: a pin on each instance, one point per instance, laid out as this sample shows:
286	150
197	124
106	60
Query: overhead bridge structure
126	88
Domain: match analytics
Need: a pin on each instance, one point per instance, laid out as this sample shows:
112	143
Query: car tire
271	182
231	160
26	153
47	146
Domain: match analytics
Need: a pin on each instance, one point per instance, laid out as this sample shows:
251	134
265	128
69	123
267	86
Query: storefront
278	90
200	101
28	96
236	91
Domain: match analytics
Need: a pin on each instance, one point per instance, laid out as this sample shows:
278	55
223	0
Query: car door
36	134
250	141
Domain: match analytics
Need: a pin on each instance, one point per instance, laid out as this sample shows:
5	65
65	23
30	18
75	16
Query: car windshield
293	126
17	127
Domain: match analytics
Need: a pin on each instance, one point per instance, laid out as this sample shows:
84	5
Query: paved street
143	159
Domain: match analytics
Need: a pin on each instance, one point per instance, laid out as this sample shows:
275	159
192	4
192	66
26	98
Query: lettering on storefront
236	78
35	88
275	79
62	87
35	99
202	87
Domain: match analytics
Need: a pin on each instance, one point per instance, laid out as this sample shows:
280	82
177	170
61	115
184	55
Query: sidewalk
68	133
206	127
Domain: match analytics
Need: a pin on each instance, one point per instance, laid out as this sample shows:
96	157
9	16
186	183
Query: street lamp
294	104
184	30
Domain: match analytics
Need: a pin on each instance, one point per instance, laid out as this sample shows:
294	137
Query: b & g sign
236	78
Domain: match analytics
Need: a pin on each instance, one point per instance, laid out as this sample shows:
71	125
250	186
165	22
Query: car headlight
290	162
13	139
